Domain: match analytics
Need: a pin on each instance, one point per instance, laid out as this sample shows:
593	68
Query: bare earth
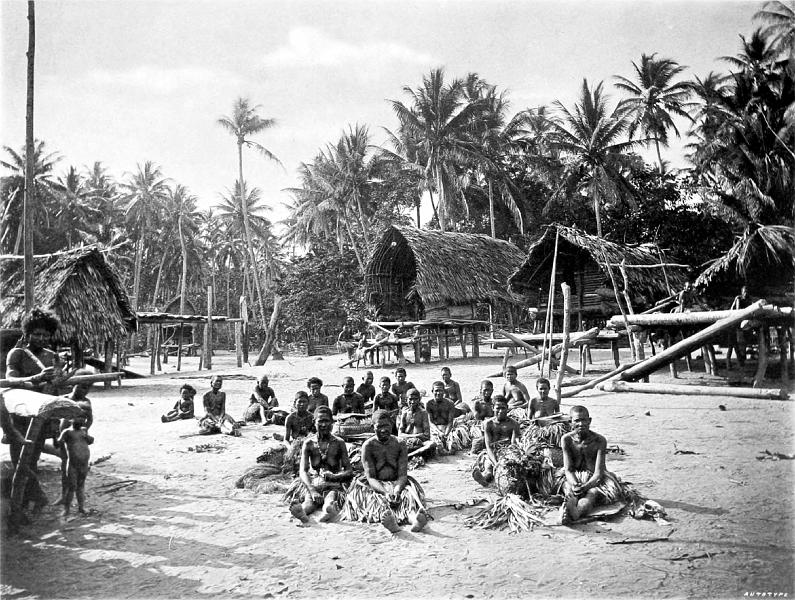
182	529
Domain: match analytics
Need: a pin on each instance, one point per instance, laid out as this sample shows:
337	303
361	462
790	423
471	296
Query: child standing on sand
76	441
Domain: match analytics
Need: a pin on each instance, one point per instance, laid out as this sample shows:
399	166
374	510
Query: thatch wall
582	263
79	287
416	273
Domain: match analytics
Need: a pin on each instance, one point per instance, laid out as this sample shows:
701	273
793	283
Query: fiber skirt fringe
297	491
611	489
364	504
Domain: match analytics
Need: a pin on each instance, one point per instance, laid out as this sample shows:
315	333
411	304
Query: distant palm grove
482	167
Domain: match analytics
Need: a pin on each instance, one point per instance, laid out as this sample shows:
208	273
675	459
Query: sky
123	81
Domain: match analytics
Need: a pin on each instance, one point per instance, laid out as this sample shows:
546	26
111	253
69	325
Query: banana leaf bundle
514	469
364	504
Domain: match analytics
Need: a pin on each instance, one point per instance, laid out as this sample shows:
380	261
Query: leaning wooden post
25	465
566	324
108	367
621	308
638	339
550	304
689	344
208	352
238	344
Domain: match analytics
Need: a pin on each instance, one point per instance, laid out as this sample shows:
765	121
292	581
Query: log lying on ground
577	338
695	318
693	390
688	345
594	382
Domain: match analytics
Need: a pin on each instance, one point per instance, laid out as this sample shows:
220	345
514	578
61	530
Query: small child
544	405
183	409
76	441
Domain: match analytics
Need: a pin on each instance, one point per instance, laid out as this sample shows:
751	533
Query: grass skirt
459	437
364	504
610	490
297	491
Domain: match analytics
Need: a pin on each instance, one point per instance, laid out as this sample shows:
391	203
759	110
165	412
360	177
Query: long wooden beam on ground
75	379
594	382
691	343
694	390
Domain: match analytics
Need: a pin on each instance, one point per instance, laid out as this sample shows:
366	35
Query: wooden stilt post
672	364
208	359
761	364
446	343
439	341
462	338
156	345
550	304
238	343
475	342
153	349
783	351
119	347
180	331
108	361
566	325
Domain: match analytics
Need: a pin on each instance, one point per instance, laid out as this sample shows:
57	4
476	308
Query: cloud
310	47
160	80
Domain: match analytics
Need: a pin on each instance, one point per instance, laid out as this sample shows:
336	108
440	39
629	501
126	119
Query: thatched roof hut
79	287
583	263
416	273
763	260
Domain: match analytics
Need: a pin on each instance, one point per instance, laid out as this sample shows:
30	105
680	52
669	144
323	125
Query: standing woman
32	365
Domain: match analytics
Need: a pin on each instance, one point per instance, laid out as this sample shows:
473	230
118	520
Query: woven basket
346	429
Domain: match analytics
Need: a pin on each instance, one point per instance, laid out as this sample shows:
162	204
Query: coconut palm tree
75	215
780	29
145	193
654	99
103	196
589	139
181	210
437	117
244	123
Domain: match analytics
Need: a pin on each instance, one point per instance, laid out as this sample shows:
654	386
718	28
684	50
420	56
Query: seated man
298	425
401	387
482	409
325	469
349	401
500	431
514	390
451	388
387	493
316	398
366	389
263	405
444	423
216	419
586	481
415	428
544	405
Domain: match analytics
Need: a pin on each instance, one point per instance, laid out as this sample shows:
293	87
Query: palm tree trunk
598	214
156	293
183	289
659	156
139	251
353	243
360	216
491	211
27	211
247	231
442	200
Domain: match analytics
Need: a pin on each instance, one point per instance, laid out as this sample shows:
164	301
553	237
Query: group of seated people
399	426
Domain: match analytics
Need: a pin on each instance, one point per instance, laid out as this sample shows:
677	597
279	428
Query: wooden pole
152	350
550	302
689	344
238	343
783	351
694	390
761	364
665	273
29	197
518	341
636	339
621	308
179	345
672	364
566	325
577	338
708	317
208	349
594	382
156	345
475	342
26	465
463	340
108	367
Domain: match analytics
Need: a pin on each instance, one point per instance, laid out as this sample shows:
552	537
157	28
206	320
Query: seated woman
386	494
216	419
500	431
298	425
183	409
263	406
325	469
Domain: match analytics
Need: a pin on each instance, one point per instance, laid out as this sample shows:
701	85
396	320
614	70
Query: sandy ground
182	529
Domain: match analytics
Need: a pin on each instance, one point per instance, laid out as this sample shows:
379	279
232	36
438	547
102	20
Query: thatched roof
79	287
446	268
575	248
762	259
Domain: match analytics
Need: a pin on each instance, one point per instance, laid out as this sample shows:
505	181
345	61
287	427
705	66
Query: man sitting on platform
387	494
325	469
